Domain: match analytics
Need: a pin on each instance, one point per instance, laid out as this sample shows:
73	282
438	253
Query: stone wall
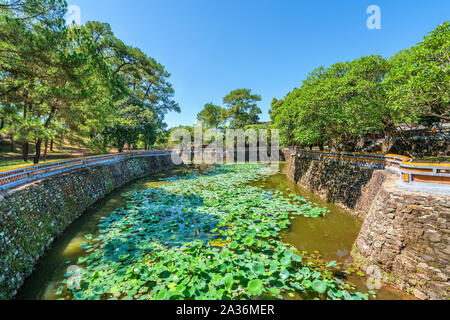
350	186
31	217
405	234
419	147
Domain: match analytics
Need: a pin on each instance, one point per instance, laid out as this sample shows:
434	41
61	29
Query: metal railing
410	171
13	177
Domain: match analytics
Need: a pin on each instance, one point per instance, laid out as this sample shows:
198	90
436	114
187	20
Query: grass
61	151
9	164
67	150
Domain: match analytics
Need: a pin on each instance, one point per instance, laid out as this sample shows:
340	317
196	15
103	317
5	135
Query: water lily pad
201	236
319	286
59	290
284	274
255	287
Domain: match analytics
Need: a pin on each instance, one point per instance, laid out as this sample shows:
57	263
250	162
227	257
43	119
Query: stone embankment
404	233
31	217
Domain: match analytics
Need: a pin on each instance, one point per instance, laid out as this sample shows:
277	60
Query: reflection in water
73	247
333	236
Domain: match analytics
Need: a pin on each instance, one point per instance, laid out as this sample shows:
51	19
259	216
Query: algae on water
202	236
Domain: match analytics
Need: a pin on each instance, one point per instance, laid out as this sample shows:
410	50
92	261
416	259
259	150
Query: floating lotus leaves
284	274
319	286
258	269
255	287
207	235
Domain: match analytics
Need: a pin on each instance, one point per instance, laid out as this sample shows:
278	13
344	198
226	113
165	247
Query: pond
332	236
231	232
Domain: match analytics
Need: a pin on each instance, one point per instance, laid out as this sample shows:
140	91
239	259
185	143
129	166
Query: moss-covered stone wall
406	234
349	186
32	216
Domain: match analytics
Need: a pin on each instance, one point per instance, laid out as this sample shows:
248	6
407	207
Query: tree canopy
84	80
336	106
210	116
241	108
419	79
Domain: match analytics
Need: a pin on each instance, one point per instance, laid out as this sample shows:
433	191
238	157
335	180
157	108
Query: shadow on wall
335	182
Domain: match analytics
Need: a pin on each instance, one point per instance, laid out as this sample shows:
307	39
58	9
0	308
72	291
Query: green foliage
335	106
132	124
84	80
176	134
241	108
418	83
255	287
135	85
210	116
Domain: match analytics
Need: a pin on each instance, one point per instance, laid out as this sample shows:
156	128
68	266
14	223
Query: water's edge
333	236
33	216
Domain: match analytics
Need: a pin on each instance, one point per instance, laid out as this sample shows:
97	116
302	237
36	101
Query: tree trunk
39	140
45	150
51	145
25	144
2	123
25	149
12	144
121	146
38	151
321	147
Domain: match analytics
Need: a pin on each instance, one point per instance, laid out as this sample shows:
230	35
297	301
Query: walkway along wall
31	217
405	234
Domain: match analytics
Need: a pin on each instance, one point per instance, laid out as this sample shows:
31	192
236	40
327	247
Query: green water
333	236
66	250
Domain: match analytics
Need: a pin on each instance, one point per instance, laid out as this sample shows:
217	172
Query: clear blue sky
212	47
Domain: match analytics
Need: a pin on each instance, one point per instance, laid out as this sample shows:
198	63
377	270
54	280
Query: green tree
241	108
210	116
136	79
418	83
132	125
334	105
175	138
83	80
37	72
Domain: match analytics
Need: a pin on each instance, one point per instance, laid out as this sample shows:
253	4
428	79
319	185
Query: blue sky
212	47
